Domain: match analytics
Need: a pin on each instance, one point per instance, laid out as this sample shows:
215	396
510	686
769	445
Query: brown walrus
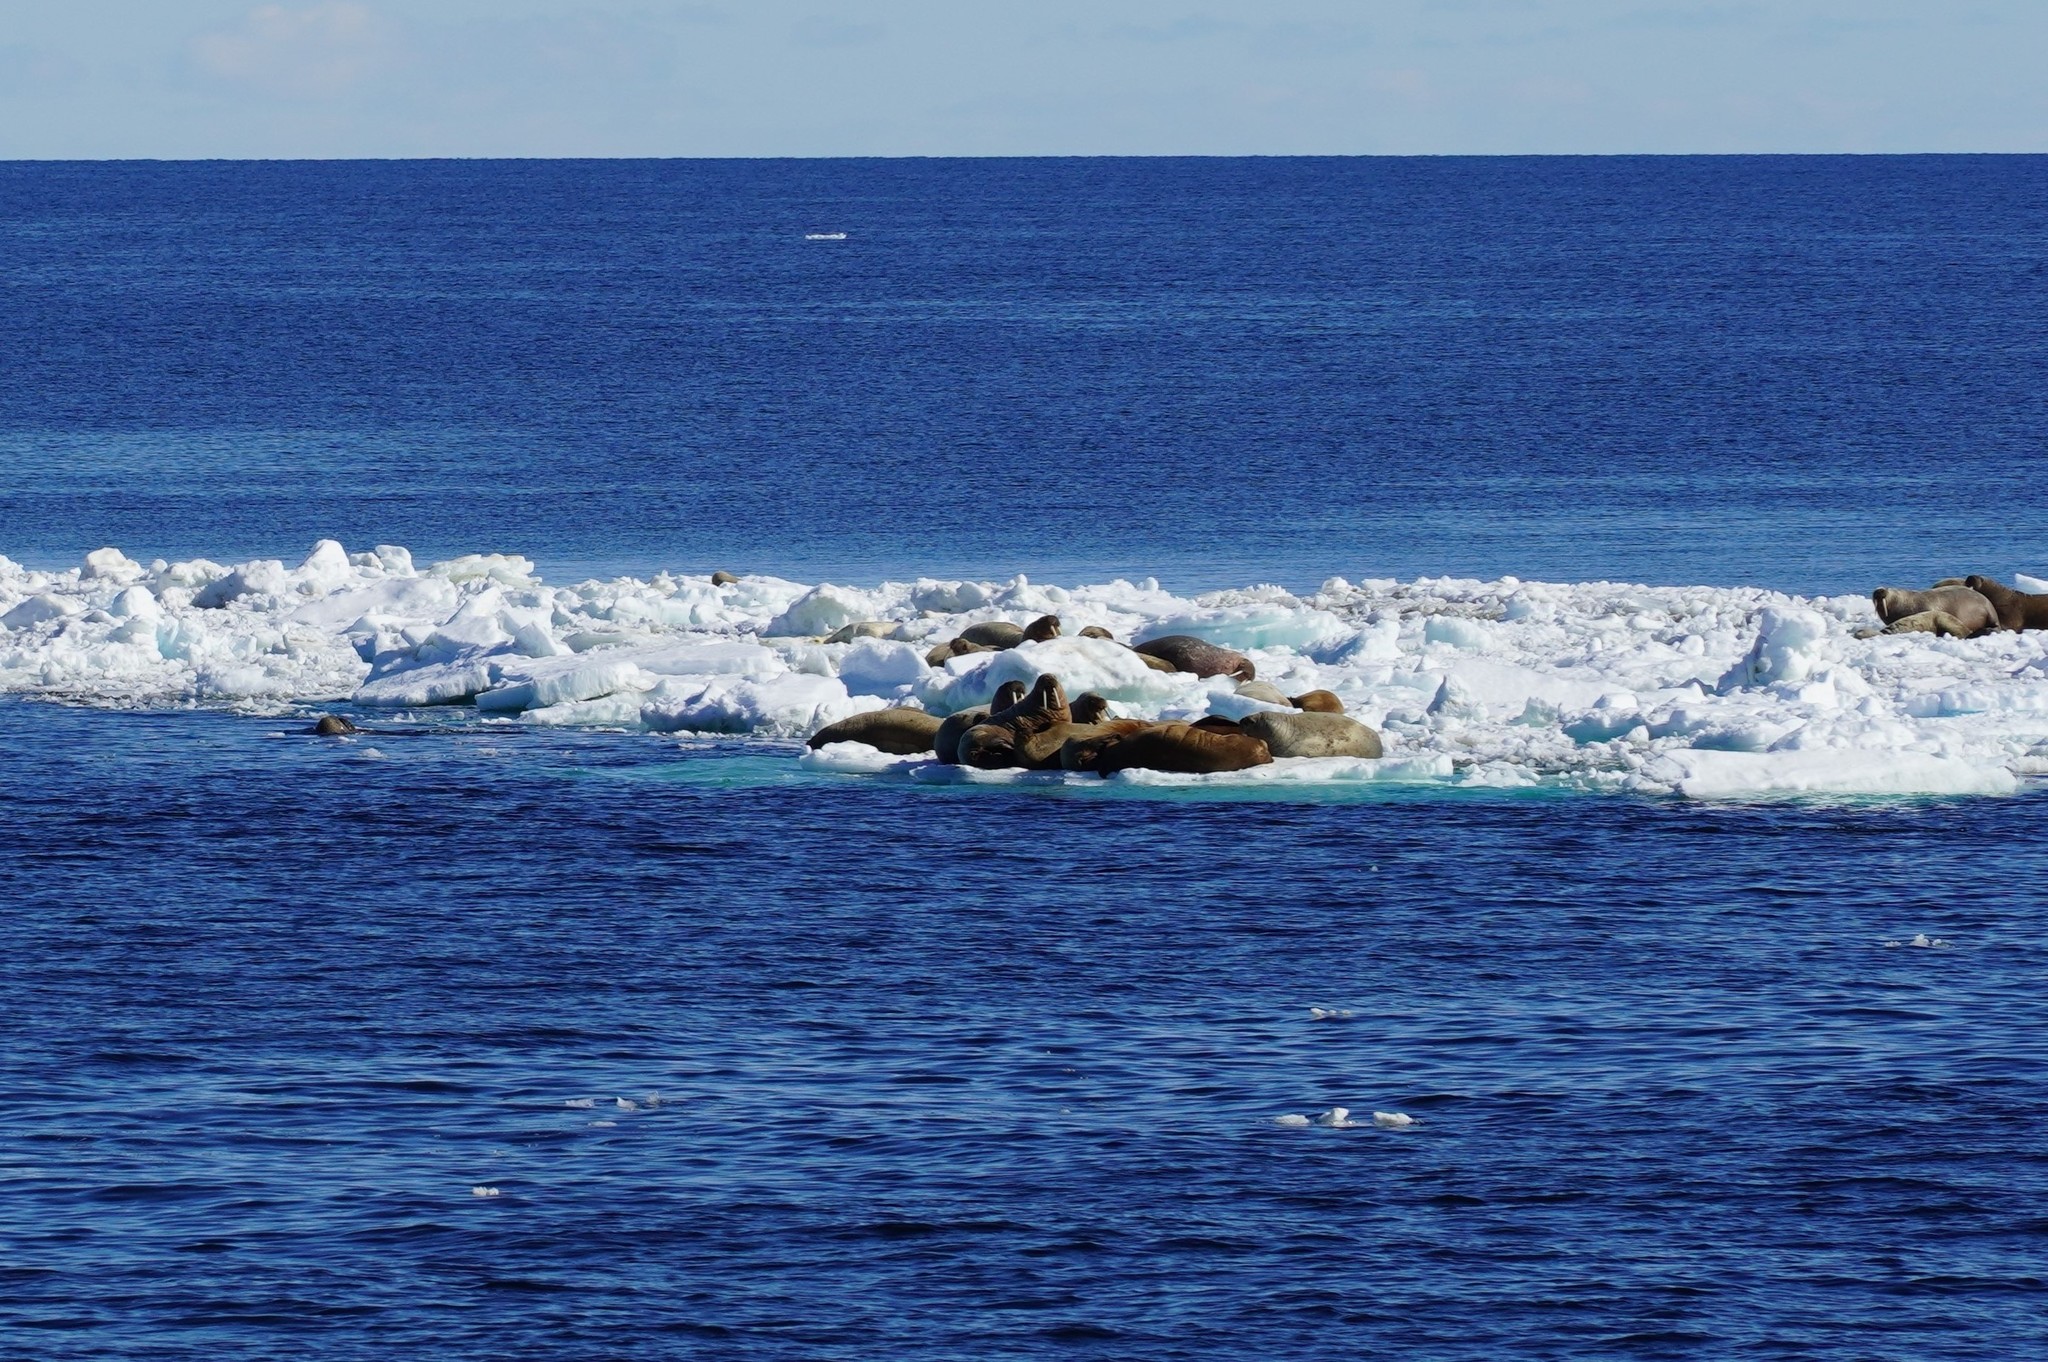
1000	634
947	743
899	732
333	726
2016	609
1311	733
1089	708
1042	751
724	579
1318	702
1957	611
1190	654
1265	692
952	648
993	743
1169	747
1097	631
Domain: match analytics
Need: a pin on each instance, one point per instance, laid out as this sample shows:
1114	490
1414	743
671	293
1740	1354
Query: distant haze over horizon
375	78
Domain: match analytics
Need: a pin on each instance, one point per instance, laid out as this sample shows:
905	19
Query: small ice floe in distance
1394	1120
1330	1014
1292	1122
481	1190
582	1103
1924	941
824	236
603	1125
1337	1118
628	1104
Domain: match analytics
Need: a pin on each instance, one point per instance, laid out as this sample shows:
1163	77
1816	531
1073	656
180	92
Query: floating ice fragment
1330	1014
1923	941
603	1125
1292	1122
581	1103
1393	1120
628	1104
1338	1118
481	1190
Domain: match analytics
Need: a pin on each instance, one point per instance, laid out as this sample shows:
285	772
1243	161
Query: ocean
570	1011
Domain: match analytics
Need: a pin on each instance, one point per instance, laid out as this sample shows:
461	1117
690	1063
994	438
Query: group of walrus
1041	730
1959	607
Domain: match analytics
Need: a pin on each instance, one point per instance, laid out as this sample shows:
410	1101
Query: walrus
1190	654
1173	747
1310	733
333	726
860	629
2016	609
993	743
1097	631
947	743
724	579
958	647
1318	702
899	732
1089	708
1042	751
1968	612
1001	634
1264	691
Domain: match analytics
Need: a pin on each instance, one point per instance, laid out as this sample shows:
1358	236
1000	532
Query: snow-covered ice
1706	692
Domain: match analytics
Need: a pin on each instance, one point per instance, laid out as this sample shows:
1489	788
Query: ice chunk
821	610
110	565
40	609
1826	771
1790	644
876	666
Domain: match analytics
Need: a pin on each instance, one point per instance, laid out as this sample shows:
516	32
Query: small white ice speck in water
481	1190
1330	1014
1923	941
583	1103
1291	1122
651	1100
603	1125
1337	1118
1393	1120
628	1104
824	236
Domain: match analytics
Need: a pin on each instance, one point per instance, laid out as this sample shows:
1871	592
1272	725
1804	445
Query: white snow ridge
1705	692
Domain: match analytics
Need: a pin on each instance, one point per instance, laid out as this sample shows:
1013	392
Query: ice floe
1706	692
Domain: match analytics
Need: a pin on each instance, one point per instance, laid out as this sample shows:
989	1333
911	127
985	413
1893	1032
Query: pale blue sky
181	78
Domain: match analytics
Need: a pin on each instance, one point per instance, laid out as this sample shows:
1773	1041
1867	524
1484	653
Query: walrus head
1008	696
1985	587
1097	631
1089	708
1881	598
1042	628
1048	695
333	726
988	746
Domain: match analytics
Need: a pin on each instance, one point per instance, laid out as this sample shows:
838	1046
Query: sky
349	78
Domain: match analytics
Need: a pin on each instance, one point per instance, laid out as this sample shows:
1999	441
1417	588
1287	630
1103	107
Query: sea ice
1705	692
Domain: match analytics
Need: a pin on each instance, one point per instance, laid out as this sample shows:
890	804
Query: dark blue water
952	1072
1810	373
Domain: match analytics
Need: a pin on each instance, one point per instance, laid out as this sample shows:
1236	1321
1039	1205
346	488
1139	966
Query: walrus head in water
333	726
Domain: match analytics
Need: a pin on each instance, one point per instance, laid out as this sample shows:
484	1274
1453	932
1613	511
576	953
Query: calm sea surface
946	1072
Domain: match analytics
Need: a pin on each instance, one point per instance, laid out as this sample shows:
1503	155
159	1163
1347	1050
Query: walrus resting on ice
2016	609
947	744
1311	733
724	579
1955	611
1318	702
900	732
1190	654
993	743
1167	747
